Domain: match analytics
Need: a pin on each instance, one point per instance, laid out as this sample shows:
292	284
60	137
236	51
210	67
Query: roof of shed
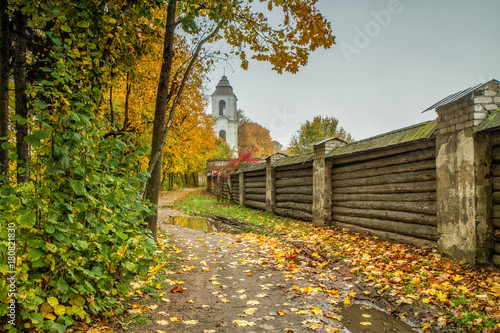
297	159
416	132
492	122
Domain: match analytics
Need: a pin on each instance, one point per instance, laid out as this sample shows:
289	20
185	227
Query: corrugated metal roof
297	159
492	122
416	132
456	96
328	139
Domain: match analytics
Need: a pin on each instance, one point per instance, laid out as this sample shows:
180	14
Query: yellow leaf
190	301
426	327
365	323
45	309
60	310
190	322
316	311
442	297
366	315
174	319
465	289
250	311
347	301
52	301
243	323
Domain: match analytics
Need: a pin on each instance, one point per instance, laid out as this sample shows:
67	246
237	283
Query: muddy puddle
200	224
358	318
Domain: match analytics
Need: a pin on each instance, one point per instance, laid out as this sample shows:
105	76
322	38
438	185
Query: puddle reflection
362	319
194	223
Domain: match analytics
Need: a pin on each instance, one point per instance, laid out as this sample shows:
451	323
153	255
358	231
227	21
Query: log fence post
322	181
271	181
242	188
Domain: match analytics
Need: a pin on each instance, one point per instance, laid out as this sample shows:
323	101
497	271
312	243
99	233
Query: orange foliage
252	136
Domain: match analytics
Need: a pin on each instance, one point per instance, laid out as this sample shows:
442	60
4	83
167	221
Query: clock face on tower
224	111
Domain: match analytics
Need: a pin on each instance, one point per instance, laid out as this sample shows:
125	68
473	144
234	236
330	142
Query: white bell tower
224	112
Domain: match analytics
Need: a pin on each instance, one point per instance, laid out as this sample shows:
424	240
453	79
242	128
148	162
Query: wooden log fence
387	189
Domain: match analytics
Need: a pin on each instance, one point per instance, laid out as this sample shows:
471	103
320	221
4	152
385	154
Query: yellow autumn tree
132	104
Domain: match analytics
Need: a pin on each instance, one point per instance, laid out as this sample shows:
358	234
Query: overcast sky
392	60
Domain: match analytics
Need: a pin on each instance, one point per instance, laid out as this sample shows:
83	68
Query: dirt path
166	200
242	283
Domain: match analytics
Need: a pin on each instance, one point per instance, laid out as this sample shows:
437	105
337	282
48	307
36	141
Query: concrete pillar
242	188
322	181
271	181
463	160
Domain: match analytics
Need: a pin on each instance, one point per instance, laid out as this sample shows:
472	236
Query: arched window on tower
222	135
222	107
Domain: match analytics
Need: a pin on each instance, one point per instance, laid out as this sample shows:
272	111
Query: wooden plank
406	197
495	154
426	207
257	190
254	173
255	179
295	190
414	218
256	197
301	181
388	170
255	184
413	147
387	235
294	167
496	223
497	248
496	197
496	260
495	170
303	216
403	177
401	228
294	173
496	183
303	207
407	157
305	198
255	204
427	186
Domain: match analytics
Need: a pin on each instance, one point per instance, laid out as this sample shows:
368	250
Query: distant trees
318	129
254	137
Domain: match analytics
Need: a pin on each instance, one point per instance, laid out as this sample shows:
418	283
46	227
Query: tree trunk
153	185
4	88
21	100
